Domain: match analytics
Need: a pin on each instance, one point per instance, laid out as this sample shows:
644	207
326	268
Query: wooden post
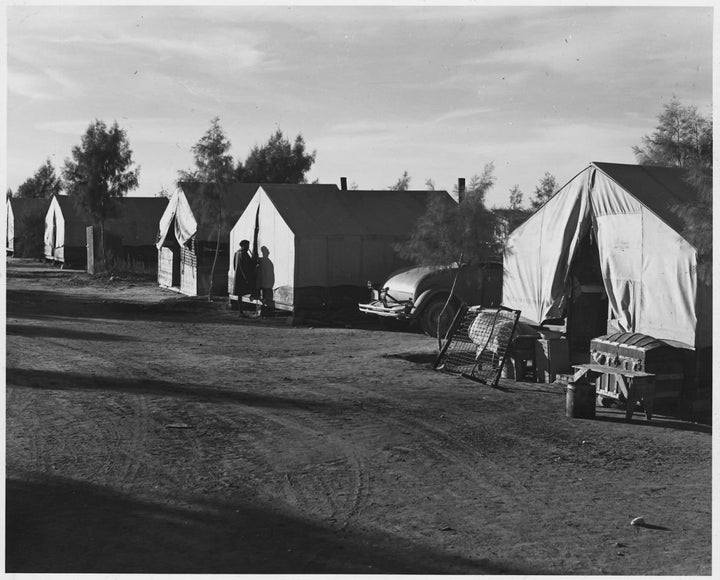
90	245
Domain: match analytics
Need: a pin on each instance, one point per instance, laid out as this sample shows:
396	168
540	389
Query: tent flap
178	212
649	270
538	254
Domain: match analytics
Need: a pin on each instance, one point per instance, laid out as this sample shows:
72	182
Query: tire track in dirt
34	434
452	452
312	486
132	450
309	487
314	489
46	449
137	452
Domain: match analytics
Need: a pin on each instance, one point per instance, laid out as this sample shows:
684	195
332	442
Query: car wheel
432	312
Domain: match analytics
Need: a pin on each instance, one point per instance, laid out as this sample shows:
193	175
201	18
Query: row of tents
605	252
132	227
318	245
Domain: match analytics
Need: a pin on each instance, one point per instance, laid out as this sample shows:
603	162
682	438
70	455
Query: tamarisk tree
213	165
100	170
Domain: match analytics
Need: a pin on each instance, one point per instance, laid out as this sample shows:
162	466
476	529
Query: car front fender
426	296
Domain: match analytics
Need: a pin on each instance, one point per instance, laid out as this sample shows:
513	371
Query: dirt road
149	432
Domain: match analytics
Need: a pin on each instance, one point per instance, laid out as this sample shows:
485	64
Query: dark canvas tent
318	246
136	221
132	227
17	210
188	234
606	252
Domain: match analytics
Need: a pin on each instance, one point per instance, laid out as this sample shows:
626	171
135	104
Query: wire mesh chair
477	343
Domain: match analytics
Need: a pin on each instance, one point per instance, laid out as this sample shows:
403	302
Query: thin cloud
43	84
462	114
75	127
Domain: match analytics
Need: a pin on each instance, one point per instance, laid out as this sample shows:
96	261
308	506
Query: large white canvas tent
188	234
318	246
65	231
607	250
18	210
132	229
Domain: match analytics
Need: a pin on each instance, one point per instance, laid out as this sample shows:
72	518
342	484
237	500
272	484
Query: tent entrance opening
587	310
169	266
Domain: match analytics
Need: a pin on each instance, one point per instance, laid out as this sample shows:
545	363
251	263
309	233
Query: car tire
430	314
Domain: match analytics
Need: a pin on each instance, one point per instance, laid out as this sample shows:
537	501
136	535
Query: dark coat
245	273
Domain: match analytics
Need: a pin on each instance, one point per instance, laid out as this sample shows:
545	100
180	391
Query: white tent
19	208
9	227
318	246
188	233
179	215
65	231
620	216
132	224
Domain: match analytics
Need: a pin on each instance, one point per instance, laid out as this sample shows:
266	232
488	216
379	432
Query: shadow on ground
64	381
665	422
33	331
64	526
422	358
43	304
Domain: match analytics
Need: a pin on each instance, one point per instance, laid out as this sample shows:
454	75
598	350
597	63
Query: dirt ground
150	432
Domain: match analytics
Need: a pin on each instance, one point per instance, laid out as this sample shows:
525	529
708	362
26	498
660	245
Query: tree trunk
102	245
212	270
447	302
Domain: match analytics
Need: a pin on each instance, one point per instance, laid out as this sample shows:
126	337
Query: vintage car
420	294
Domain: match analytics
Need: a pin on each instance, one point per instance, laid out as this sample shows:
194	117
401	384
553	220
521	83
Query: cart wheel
607	401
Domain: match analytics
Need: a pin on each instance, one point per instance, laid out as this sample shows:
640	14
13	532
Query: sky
438	91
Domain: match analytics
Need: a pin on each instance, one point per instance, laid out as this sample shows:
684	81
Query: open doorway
175	249
587	309
53	236
169	260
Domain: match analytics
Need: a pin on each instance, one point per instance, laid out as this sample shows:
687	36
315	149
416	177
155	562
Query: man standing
245	272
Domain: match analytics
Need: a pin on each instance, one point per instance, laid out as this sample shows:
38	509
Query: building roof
389	212
136	219
233	199
141	208
313	209
22	206
660	189
70	211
